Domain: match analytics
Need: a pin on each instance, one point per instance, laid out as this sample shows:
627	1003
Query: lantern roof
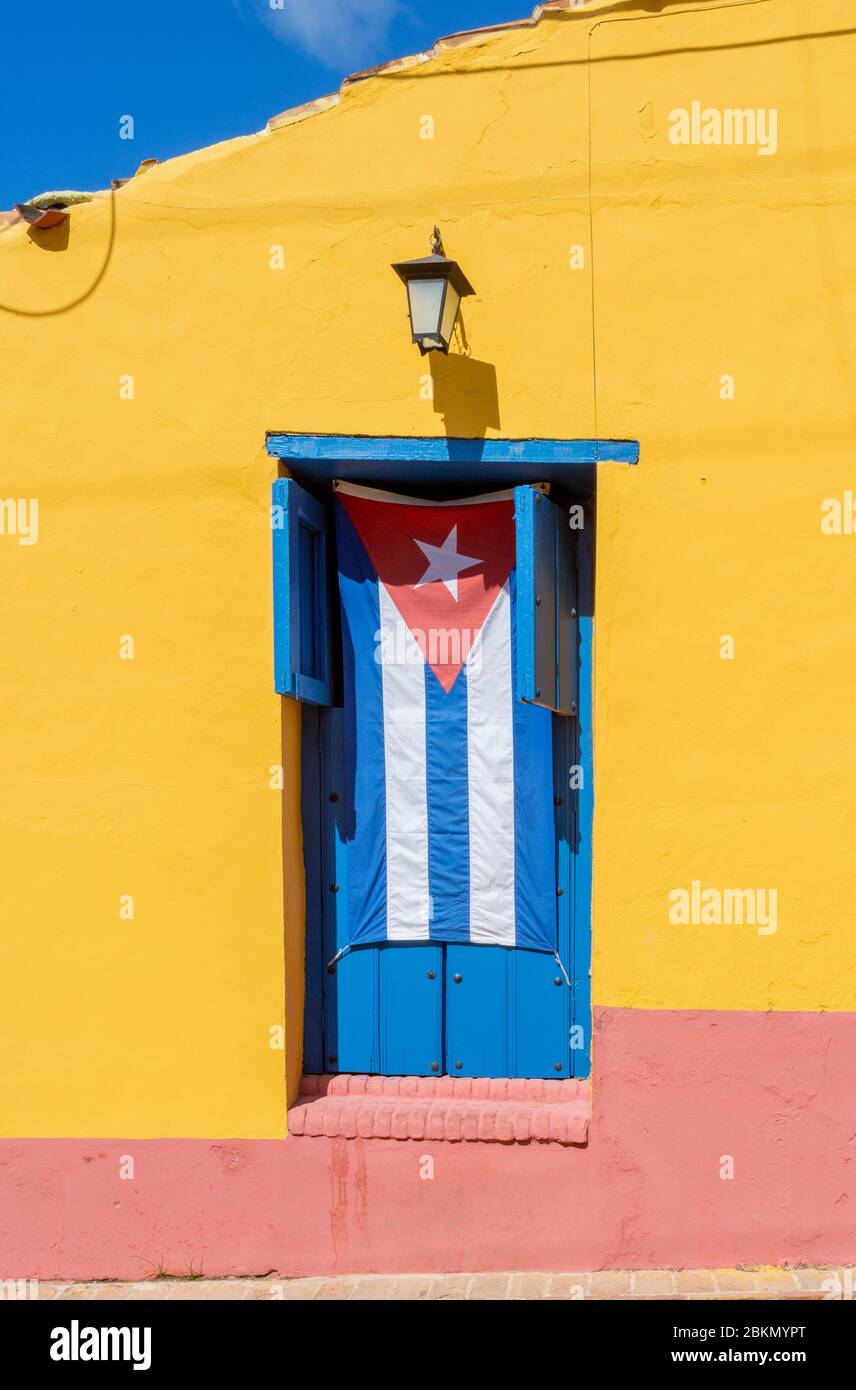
432	267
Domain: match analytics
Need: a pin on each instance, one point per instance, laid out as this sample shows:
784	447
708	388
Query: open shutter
546	603
302	606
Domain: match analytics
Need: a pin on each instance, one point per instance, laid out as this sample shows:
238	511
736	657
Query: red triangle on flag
443	567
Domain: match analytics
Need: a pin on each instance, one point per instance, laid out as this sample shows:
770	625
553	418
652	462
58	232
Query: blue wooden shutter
546	603
301	595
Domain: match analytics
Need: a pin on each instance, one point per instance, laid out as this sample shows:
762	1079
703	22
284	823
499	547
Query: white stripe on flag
490	757
404	741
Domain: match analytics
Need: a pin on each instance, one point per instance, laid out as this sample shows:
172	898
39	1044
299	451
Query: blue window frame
422	1008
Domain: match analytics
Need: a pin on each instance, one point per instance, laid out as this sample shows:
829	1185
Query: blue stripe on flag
448	808
365	765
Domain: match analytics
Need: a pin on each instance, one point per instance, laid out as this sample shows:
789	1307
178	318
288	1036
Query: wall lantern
435	287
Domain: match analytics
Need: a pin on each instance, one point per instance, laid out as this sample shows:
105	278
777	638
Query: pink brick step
475	1109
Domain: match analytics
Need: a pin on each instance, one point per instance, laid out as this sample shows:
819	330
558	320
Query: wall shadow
51	238
465	394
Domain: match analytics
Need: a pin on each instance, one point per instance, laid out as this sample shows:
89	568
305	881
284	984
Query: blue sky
190	72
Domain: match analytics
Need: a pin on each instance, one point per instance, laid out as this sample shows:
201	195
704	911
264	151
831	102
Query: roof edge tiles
324	103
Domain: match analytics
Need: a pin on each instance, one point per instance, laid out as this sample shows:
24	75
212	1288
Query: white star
444	563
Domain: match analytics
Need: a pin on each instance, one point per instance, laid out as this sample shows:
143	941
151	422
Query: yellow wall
151	777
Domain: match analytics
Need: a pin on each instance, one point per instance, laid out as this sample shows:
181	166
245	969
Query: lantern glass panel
450	312
426	302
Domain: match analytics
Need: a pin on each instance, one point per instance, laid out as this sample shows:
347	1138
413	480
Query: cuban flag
449	773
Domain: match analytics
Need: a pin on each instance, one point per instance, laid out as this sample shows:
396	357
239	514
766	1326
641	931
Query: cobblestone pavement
764	1282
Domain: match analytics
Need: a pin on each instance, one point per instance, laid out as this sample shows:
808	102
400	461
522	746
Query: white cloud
340	34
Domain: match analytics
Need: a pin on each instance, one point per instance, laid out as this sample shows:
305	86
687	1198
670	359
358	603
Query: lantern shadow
465	394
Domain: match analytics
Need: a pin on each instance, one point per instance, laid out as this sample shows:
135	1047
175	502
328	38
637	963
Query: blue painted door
383	1005
510	1012
467	1010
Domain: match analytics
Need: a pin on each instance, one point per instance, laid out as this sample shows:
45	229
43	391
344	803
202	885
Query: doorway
443	1002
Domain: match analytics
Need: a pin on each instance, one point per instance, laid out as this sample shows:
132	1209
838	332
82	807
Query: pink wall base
675	1094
